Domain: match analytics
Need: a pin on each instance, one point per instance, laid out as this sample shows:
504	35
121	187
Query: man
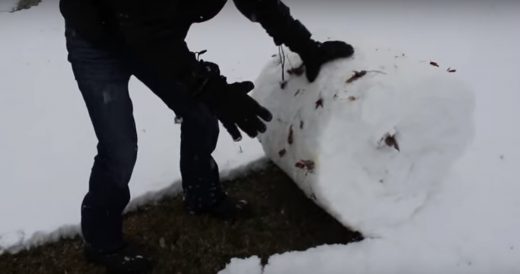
110	40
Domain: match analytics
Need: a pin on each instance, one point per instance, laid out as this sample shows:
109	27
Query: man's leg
200	174
103	82
199	135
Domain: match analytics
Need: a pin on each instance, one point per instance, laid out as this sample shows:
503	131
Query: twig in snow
361	73
281	53
290	137
450	70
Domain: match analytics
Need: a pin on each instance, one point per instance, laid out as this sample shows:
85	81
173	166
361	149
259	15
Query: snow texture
251	265
469	224
371	138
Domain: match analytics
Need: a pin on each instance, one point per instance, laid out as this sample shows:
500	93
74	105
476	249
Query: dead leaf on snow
306	165
319	103
356	76
391	141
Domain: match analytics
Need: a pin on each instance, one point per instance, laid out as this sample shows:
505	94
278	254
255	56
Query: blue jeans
102	74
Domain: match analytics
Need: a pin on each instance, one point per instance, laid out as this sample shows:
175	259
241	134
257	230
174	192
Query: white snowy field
469	226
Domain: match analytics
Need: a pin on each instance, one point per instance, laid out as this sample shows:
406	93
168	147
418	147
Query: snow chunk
372	138
251	265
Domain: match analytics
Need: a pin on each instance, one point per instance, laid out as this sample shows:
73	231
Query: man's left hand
323	53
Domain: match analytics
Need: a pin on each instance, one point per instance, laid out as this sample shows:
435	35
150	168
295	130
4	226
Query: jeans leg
199	135
103	78
200	174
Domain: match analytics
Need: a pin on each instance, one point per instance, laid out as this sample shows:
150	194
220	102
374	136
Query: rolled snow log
372	138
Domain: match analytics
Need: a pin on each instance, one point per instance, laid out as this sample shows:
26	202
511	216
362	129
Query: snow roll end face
380	131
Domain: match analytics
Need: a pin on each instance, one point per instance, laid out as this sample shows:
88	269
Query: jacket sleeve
276	19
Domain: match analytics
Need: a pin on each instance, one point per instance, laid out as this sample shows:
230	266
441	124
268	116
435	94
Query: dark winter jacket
155	30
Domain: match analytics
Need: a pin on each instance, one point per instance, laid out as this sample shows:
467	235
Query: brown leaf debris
306	165
319	103
356	76
391	141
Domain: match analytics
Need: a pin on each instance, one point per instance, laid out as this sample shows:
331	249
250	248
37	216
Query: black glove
231	104
318	54
235	109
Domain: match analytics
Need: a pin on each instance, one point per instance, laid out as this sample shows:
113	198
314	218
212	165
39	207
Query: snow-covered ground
469	226
470	222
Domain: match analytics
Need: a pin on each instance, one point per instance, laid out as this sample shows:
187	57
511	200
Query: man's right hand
229	102
236	109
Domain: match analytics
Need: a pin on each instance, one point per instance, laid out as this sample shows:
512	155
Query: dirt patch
285	220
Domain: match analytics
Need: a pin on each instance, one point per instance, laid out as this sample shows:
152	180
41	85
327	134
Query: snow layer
251	265
470	224
378	131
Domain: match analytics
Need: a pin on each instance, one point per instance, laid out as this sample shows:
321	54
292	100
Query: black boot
226	209
126	259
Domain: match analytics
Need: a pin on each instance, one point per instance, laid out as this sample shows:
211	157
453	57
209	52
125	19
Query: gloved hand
319	53
236	109
231	103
